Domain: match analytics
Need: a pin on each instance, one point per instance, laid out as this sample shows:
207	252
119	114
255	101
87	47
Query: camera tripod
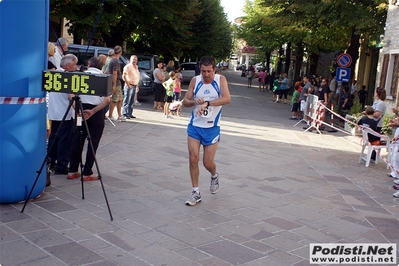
76	101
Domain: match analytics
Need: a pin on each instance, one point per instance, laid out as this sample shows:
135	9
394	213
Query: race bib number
207	112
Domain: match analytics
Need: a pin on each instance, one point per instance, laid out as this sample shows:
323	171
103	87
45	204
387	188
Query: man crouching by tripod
93	111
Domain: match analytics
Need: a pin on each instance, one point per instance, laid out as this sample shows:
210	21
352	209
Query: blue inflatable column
23	57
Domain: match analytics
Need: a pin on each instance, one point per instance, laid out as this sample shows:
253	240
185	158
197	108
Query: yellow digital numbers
48	84
78	84
75	83
56	82
52	81
84	87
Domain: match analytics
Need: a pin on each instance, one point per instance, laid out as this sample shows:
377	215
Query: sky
233	8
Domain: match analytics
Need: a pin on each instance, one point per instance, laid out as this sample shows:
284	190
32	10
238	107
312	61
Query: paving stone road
280	190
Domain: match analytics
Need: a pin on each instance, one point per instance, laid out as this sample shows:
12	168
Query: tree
148	26
318	26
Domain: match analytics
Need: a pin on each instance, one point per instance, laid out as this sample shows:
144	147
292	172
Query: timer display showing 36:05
77	83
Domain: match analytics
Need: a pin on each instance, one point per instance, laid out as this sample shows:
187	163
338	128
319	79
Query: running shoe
214	188
194	199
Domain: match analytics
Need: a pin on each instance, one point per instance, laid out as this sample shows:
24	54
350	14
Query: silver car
187	69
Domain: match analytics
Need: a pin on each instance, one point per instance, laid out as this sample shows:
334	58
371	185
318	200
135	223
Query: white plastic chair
370	147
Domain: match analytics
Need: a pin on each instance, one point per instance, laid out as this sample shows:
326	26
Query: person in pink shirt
262	80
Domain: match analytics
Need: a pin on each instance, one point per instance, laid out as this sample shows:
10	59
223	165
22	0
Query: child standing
169	87
177	92
295	104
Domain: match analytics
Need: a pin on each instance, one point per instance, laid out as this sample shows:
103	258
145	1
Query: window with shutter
384	70
395	76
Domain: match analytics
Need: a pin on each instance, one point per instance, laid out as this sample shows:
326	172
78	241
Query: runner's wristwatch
207	104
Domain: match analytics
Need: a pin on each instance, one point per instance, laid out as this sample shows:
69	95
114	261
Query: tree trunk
287	58
279	62
268	55
299	60
314	60
353	50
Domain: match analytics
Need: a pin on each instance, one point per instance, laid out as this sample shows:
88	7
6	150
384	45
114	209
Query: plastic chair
370	147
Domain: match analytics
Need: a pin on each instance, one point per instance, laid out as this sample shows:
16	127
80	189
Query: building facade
388	71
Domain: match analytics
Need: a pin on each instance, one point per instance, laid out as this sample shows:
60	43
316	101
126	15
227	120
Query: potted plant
354	116
386	129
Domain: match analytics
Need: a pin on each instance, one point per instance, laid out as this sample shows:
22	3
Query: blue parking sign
343	74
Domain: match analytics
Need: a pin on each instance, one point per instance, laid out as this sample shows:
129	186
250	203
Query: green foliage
354	119
321	26
173	29
386	129
356	108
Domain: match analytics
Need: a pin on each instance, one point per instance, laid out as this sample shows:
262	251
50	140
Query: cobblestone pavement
280	190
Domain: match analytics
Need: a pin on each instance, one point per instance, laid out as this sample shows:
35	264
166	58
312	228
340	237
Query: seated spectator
369	121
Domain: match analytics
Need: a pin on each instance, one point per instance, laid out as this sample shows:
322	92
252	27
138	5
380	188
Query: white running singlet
209	92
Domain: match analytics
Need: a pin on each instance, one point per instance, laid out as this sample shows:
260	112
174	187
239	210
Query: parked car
84	53
187	69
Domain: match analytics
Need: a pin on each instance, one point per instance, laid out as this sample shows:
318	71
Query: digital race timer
77	83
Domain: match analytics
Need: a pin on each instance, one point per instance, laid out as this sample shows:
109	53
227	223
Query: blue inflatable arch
23	57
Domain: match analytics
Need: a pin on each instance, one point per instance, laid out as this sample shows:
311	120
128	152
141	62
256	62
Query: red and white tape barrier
21	100
373	132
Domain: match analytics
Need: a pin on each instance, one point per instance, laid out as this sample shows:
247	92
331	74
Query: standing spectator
394	124
207	93
323	97
102	58
284	87
298	83
276	88
105	69
159	77
169	86
262	80
250	75
116	99
345	101
170	66
363	95
60	48
131	76
307	89
50	53
57	106
333	88
295	104
94	116
176	93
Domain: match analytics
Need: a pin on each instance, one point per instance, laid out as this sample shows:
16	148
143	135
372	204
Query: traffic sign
344	60
343	74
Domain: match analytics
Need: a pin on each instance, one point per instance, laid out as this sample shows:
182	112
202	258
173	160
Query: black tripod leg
95	159
48	151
